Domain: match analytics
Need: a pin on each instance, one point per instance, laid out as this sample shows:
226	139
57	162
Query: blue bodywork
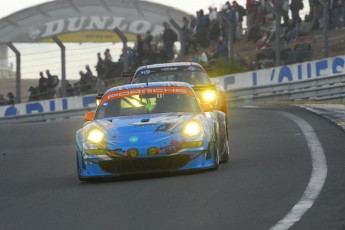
174	150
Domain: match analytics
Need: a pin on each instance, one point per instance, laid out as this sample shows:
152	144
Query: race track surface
269	172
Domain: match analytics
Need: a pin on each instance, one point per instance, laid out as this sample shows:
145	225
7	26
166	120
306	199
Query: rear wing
204	87
127	74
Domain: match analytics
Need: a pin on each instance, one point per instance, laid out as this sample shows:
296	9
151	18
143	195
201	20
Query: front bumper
103	165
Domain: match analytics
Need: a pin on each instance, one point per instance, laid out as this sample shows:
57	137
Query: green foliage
222	66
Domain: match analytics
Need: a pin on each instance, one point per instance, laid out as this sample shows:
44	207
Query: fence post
63	65
325	27
230	31
277	16
124	50
18	72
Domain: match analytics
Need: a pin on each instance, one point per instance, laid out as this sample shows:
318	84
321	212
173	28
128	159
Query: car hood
150	123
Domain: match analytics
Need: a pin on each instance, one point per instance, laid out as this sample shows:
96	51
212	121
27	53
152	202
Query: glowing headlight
209	96
192	128
95	136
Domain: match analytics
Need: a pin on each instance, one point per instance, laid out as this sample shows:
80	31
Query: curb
334	112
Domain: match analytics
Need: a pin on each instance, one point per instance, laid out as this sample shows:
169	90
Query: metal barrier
325	88
36	117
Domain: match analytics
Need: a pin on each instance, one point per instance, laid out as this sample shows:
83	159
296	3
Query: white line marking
250	106
317	179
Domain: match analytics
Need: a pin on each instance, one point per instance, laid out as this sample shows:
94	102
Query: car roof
149	85
172	64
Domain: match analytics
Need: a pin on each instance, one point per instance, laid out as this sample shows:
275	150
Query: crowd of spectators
206	36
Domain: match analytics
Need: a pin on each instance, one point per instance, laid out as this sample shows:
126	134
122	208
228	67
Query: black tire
216	153
225	151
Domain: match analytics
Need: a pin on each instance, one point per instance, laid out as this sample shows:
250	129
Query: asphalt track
269	172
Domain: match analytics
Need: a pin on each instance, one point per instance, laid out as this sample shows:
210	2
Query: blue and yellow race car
154	127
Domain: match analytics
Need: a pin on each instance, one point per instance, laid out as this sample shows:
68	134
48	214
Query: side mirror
89	116
99	98
206	107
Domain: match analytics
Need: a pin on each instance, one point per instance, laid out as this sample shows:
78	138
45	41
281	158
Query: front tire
225	151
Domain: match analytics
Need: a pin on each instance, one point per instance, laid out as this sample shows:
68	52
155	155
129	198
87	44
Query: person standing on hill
295	7
42	83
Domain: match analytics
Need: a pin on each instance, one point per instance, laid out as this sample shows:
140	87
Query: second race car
189	72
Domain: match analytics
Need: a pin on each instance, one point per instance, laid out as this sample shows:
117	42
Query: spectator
337	11
100	66
52	80
240	13
295	7
251	9
2	100
187	33
202	29
285	11
192	29
139	50
148	39
212	15
131	57
84	82
214	28
107	56
89	73
107	63
42	83
232	17
10	100
169	38
203	59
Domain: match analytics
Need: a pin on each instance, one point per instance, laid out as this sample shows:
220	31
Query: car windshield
192	77
147	104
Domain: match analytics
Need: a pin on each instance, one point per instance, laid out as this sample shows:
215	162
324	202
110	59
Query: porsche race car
155	127
190	72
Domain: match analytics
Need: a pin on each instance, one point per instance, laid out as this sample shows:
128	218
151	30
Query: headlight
192	128
209	96
95	136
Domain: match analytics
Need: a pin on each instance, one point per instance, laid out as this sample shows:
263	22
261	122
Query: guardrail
36	117
323	88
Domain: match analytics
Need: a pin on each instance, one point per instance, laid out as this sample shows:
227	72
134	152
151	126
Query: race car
190	72
147	128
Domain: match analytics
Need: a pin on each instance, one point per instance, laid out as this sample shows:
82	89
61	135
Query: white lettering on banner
72	24
283	74
89	23
53	28
47	106
97	23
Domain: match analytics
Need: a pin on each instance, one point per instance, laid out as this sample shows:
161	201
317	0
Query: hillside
336	42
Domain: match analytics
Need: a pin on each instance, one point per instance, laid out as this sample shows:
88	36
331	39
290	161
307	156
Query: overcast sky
190	6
